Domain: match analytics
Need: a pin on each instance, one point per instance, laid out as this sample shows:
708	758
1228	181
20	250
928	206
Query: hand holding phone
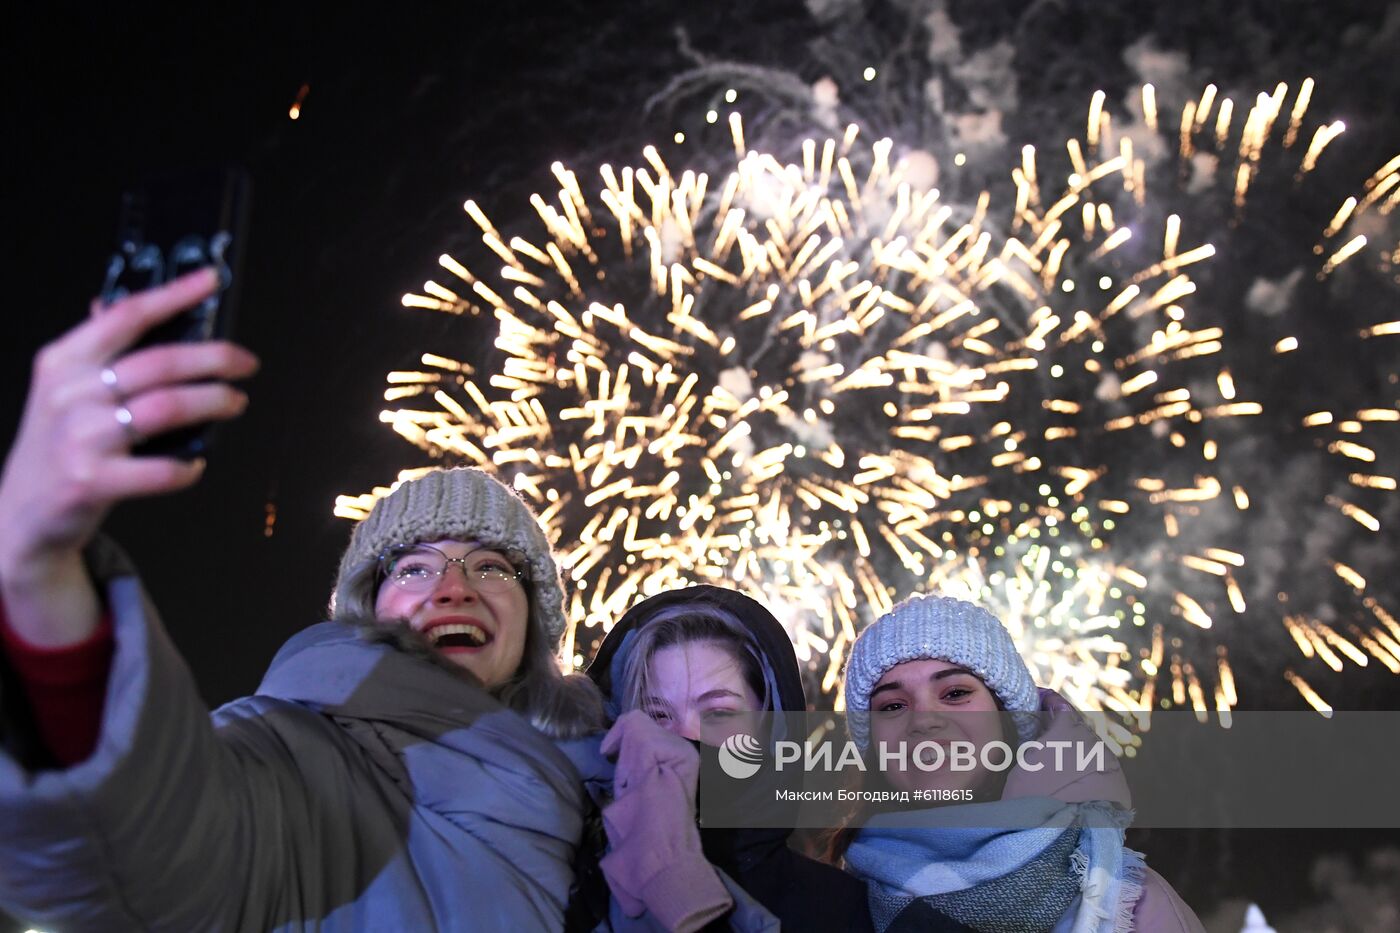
91	398
172	224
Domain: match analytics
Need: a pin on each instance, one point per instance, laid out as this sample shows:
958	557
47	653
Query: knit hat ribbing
947	629
463	504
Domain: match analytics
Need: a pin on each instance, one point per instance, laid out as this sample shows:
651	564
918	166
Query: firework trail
819	381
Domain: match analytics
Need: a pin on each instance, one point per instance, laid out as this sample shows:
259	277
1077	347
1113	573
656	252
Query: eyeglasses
419	567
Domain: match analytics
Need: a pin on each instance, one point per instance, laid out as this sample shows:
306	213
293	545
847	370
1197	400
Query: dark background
406	116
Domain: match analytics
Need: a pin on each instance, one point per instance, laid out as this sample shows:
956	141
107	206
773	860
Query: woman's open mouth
453	637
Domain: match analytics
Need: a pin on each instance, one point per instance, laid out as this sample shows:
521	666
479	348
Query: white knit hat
946	629
464	504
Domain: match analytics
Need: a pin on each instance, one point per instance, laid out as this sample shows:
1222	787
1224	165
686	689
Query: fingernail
198	464
209	275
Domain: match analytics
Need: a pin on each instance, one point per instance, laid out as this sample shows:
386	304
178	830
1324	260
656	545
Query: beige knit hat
464	504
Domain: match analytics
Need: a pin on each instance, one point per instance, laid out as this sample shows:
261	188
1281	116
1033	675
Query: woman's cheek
889	727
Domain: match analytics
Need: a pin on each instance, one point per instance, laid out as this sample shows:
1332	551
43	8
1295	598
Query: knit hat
463	504
925	627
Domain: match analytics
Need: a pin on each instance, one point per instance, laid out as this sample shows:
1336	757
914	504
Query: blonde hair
685	624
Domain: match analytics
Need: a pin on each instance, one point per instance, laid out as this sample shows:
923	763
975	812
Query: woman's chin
469	660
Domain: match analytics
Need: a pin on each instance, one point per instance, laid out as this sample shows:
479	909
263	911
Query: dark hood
737	851
769	636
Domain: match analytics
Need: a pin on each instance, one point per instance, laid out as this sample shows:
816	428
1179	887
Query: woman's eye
718	714
891	707
659	715
495	566
410	571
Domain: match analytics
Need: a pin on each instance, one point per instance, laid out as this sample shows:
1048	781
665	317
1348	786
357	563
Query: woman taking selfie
396	767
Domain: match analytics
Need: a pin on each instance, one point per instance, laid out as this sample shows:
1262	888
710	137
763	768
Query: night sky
407	115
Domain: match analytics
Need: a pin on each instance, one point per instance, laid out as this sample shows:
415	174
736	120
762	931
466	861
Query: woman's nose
687	727
927	722
453	585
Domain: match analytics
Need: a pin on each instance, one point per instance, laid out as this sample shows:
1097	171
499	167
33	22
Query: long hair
685	624
562	706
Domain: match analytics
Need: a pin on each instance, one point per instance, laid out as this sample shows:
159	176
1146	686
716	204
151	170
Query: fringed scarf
1047	865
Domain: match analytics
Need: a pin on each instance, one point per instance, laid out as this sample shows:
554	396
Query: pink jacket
1160	909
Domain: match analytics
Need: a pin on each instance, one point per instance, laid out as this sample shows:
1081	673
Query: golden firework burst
819	381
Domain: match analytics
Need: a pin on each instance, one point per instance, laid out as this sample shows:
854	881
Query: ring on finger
109	379
124	418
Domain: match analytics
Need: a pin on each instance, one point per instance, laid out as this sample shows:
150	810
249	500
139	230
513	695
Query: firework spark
826	385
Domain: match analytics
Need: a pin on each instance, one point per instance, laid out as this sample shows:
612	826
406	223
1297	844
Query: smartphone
171	223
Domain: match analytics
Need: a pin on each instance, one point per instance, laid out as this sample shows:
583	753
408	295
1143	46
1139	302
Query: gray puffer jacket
360	788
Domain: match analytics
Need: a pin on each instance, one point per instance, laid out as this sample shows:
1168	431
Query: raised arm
91	399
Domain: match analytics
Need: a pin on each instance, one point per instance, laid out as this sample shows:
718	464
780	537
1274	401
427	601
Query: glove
655	862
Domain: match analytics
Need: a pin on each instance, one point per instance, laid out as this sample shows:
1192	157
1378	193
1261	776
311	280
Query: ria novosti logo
740	756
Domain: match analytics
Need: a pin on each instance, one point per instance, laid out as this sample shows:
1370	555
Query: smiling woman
972	845
397	772
478	619
500	618
928	700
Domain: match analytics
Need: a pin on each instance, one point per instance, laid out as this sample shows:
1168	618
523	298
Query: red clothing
65	686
